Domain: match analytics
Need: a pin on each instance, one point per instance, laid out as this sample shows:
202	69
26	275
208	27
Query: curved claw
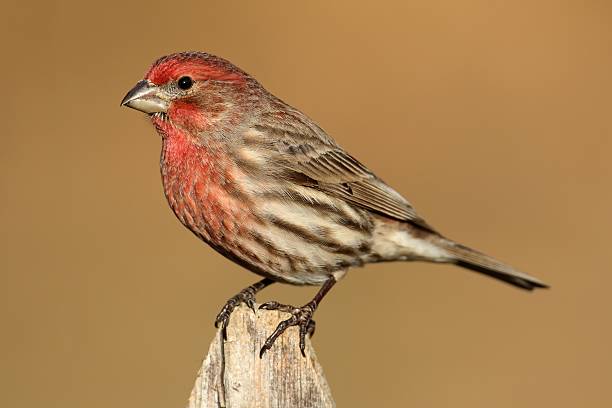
282	326
303	330
251	304
272	305
246	296
301	317
224	316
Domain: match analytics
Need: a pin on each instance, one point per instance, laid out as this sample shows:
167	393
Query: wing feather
305	148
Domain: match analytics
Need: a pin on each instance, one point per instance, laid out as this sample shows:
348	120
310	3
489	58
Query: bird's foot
300	316
246	296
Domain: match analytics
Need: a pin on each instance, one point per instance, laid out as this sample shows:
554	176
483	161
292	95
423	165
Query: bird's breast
198	183
269	225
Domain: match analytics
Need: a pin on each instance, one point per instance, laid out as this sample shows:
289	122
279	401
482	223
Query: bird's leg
300	316
246	296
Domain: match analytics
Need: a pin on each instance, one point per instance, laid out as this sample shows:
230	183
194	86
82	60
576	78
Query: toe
303	332
272	305
311	328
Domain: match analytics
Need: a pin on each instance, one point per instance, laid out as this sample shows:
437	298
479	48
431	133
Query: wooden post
233	376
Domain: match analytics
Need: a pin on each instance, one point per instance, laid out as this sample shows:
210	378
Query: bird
266	187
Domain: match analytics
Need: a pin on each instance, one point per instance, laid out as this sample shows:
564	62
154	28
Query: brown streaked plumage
266	187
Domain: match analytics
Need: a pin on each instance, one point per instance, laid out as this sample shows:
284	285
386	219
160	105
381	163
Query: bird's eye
185	82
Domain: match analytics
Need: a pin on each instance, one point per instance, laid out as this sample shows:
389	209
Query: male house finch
262	184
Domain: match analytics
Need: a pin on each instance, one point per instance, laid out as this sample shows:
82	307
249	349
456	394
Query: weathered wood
233	376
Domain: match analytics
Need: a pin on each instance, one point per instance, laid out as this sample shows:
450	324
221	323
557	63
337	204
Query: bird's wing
330	169
341	175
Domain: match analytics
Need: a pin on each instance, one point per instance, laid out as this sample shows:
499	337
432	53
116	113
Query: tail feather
477	261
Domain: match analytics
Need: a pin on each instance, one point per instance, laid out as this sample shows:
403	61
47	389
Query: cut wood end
232	374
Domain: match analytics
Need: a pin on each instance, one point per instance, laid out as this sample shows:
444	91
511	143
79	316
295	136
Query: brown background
492	117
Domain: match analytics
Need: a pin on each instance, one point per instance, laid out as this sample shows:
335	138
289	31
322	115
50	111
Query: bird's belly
305	242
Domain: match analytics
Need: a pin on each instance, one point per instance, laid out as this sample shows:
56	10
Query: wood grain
232	375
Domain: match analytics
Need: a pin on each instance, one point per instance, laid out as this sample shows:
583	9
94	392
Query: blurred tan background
492	117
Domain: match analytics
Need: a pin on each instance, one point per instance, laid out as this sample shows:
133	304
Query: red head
199	66
194	91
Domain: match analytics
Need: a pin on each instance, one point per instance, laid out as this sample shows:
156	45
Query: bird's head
193	91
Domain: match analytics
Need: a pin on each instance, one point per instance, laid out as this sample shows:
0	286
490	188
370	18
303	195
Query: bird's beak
146	97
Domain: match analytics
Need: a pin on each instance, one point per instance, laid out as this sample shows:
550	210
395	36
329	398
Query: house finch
266	187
